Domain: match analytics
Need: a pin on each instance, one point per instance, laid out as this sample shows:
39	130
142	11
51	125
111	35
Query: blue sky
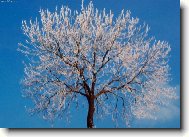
163	17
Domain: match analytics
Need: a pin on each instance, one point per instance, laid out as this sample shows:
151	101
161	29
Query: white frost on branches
66	49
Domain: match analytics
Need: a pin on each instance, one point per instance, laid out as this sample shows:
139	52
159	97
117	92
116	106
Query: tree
111	62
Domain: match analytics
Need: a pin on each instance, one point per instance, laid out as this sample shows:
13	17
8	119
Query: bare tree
111	62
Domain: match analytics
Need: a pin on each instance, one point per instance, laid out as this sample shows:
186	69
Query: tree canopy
111	61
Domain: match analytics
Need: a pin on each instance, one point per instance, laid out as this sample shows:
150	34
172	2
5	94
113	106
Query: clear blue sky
163	17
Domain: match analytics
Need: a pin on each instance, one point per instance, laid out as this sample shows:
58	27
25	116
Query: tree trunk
91	110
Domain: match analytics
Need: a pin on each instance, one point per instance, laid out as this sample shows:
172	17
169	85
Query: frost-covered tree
111	62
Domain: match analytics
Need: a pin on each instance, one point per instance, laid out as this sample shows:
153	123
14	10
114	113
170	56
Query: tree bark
91	110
